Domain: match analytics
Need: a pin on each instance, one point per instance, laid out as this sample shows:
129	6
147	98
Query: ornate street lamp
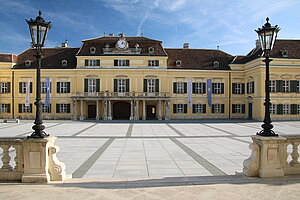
38	32
267	35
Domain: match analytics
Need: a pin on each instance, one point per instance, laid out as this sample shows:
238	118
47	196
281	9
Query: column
109	110
136	110
167	105
97	110
159	110
131	110
144	109
105	110
74	110
81	111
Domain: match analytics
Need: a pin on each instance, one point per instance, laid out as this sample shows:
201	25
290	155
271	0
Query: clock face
121	43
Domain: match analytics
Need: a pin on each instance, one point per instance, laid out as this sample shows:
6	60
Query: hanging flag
190	91
209	92
48	83
27	97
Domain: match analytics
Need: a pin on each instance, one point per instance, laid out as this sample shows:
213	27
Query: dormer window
151	50
28	63
92	50
64	63
178	63
285	54
216	64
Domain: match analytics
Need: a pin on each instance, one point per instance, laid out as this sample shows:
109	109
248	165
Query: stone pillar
159	110
74	110
167	106
81	111
97	110
136	110
109	110
144	110
105	110
131	110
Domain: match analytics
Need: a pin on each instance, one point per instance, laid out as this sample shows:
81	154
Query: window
238	108
91	85
28	63
121	85
286	109
92	62
92	50
4	87
64	63
199	88
298	86
199	108
272	86
216	64
273	109
44	88
284	54
238	88
63	108
179	87
298	109
153	63
180	108
46	109
121	63
217	108
178	63
4	108
218	88
25	109
23	86
151	50
63	87
250	87
151	85
286	85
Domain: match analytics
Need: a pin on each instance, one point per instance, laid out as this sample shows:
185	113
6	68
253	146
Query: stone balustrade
121	94
30	160
273	156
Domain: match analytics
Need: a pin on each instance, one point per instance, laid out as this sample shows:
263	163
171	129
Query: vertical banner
47	101
209	92
27	97
189	91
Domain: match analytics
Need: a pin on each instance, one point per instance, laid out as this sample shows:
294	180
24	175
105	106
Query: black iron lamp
38	32
267	35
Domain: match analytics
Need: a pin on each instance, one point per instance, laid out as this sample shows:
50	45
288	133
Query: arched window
151	50
178	63
64	63
216	64
28	63
92	50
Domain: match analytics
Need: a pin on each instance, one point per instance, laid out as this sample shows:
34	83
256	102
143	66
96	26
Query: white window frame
298	86
272	85
122	63
92	62
238	108
152	63
198	108
43	87
286	109
238	88
63	87
180	87
63	108
25	109
45	109
23	87
218	88
3	87
151	85
180	108
251	89
91	85
286	85
199	89
3	108
121	85
273	109
217	108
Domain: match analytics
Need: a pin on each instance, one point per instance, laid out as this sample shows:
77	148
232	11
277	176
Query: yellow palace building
136	78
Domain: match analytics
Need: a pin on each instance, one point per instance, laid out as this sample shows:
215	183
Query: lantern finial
40	12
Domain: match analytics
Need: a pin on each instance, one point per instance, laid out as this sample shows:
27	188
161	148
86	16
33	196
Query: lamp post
38	32
267	35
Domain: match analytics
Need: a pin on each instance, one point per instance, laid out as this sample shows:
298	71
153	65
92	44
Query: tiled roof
100	43
8	57
53	58
198	59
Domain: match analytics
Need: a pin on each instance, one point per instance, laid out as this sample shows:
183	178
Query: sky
204	24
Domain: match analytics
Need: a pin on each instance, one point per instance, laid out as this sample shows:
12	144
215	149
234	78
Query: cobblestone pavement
152	149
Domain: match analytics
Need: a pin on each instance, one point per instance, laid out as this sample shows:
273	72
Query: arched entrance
121	110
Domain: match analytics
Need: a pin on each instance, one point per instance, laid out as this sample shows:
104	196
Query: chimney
111	35
64	44
186	45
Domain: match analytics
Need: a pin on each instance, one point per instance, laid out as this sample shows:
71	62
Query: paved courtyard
152	149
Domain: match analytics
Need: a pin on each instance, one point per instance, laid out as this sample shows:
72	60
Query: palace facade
136	78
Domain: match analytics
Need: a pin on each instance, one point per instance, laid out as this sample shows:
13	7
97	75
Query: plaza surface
152	149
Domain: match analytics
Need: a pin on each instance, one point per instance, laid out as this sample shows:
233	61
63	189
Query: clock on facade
122	43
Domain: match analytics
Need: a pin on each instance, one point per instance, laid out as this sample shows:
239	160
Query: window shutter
279	86
156	62
175	87
248	88
145	85
280	109
68	87
86	62
293	86
68	108
115	85
127	62
194	108
243	108
213	108
57	108
233	108
86	85
20	87
294	109
115	62
185	87
98	62
213	88
174	108
20	108
50	87
58	87
233	88
98	85
30	85
8	87
184	108
194	89
253	90
204	108
157	85
222	88
127	85
30	108
243	88
49	108
8	108
204	88
222	108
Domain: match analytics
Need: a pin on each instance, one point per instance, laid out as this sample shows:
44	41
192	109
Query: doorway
91	111
250	110
151	112
121	110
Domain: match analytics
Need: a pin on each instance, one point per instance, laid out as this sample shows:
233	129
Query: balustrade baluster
5	158
16	157
294	154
